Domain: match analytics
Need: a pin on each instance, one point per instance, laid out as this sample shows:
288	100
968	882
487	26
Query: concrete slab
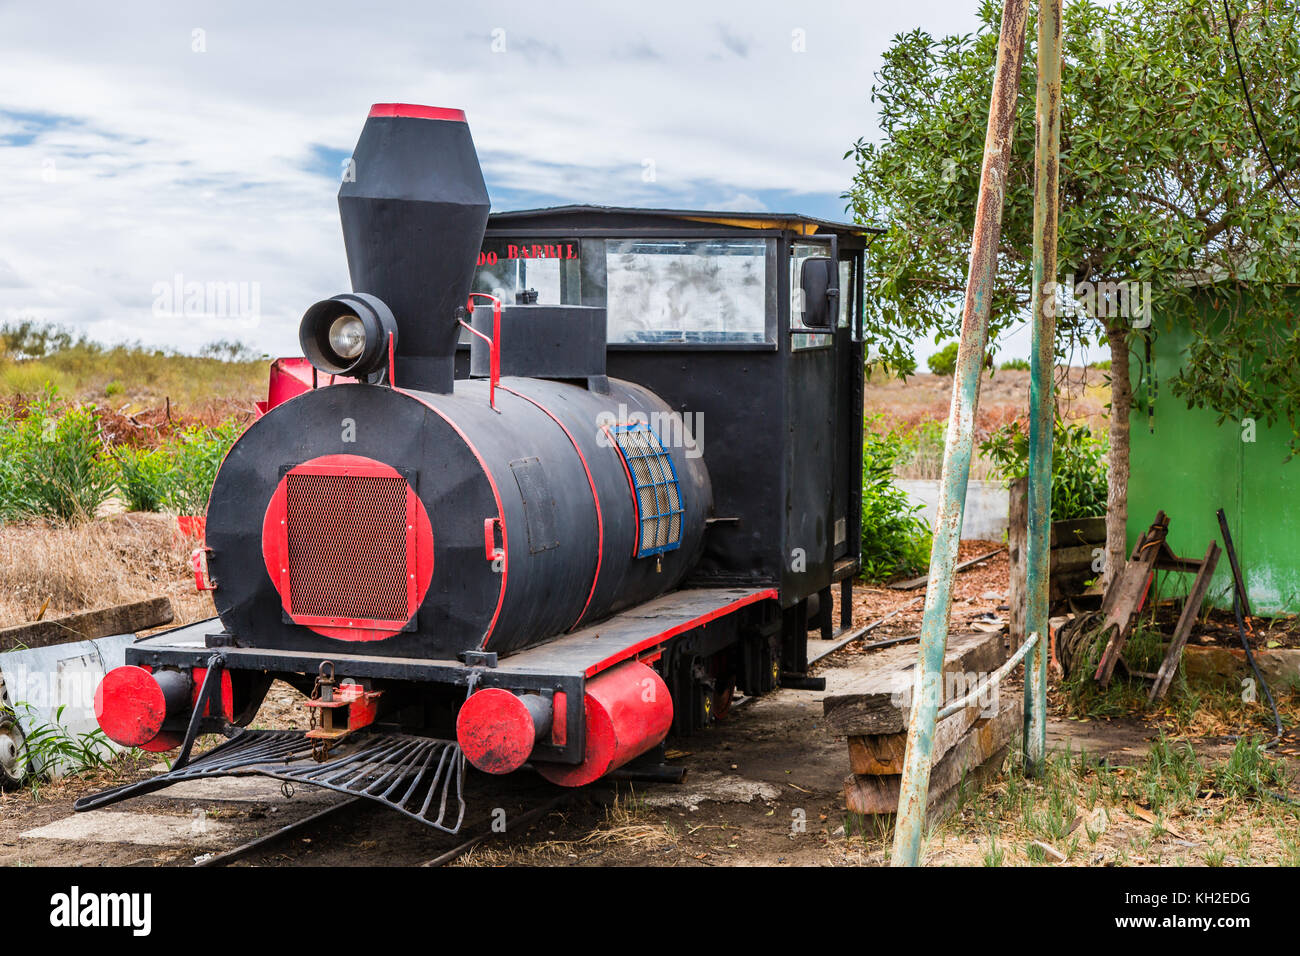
706	785
143	829
250	789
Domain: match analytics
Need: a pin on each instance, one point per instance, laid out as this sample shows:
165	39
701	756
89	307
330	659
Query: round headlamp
348	334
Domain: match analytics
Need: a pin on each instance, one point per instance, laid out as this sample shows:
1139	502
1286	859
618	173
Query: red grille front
349	546
347	538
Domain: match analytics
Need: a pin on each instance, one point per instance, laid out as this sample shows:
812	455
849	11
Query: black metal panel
539	505
733	401
542	341
810	461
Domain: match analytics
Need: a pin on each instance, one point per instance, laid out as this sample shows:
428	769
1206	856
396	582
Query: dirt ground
763	787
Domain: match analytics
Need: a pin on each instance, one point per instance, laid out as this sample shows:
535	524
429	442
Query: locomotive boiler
473	525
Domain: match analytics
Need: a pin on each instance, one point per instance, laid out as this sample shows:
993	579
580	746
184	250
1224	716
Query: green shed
1187	464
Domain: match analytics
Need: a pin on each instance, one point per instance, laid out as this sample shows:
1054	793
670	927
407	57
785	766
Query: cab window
700	291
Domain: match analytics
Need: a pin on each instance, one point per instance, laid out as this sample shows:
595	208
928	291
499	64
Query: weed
895	538
994	855
144	477
58	466
1078	466
1248	771
53	747
197	453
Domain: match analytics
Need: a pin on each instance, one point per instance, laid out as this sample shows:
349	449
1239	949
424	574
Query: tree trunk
1121	402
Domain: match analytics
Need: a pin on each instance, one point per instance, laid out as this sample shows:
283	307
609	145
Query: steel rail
961	703
229	856
522	820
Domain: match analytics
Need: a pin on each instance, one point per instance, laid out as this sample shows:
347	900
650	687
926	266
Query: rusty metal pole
1042	396
927	688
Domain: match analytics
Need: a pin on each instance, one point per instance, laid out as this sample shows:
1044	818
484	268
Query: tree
944	361
1166	193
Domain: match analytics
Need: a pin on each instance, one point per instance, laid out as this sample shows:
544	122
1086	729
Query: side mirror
820	285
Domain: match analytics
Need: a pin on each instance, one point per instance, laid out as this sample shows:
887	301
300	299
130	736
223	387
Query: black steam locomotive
555	483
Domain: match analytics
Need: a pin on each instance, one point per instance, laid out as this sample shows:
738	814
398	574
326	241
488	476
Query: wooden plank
1017	542
1077	531
1072	558
882	754
873	795
1191	609
1124	597
598	646
879	701
88	625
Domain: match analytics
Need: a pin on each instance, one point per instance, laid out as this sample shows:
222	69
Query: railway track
482	832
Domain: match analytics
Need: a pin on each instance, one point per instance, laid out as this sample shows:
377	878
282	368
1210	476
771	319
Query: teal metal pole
927	688
1042	393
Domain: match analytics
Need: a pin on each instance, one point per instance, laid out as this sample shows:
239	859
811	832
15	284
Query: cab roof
625	217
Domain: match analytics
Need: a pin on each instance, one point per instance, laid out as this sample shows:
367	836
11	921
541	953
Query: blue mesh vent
654	483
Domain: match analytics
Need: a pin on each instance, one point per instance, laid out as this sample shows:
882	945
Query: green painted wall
1188	465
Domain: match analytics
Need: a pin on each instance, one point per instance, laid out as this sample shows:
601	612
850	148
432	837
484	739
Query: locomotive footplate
419	776
538	705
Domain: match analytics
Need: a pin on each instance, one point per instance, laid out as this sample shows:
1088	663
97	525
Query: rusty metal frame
928	686
1042	392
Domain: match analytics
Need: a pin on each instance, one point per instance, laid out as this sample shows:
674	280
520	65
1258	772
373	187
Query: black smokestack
414	208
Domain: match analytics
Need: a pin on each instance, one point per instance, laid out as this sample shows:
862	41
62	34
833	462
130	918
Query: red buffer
629	711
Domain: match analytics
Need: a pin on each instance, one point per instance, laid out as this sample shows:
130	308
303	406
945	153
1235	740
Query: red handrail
494	348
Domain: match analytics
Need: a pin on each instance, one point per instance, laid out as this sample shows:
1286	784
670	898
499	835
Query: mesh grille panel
347	546
658	493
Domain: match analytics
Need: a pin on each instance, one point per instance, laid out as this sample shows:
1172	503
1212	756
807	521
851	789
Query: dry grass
917	409
1174	809
624	827
114	560
1004	397
131	374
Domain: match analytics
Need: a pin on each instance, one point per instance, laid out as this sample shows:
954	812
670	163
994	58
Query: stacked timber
873	710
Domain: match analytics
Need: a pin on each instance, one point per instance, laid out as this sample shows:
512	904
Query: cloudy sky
146	144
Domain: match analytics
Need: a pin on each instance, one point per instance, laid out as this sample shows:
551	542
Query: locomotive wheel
13	754
722	698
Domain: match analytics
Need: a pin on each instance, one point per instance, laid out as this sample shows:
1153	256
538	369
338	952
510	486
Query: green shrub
56	464
1015	365
944	361
895	538
921	448
196	454
144	477
1078	466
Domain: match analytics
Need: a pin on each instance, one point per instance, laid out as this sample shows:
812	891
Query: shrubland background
101	446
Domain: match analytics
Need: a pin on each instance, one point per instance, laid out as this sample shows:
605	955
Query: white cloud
135	158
